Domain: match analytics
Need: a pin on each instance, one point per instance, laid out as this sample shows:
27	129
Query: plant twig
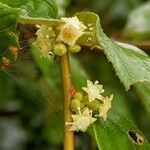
66	83
144	45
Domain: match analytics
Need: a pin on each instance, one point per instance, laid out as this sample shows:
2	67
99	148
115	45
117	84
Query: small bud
84	109
79	96
75	104
5	62
14	50
75	49
60	49
94	105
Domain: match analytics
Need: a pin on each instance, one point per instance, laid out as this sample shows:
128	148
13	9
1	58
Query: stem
40	21
66	83
144	45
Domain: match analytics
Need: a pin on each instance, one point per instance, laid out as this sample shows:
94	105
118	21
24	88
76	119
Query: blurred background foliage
30	87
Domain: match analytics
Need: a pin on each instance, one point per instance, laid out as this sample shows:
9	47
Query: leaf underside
130	66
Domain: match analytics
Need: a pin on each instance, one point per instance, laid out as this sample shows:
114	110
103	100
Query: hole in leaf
135	137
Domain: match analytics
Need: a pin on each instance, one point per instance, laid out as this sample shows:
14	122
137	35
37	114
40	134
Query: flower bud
60	49
94	105
75	49
75	104
79	96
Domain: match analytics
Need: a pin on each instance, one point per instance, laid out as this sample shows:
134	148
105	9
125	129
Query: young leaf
89	36
119	133
130	66
8	17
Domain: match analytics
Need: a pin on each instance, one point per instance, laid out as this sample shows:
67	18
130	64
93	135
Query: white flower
104	108
94	90
71	30
45	37
81	121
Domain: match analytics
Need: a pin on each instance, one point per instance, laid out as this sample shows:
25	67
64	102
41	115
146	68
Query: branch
66	83
144	45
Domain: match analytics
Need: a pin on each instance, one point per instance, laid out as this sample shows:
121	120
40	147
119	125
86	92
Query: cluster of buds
60	39
89	105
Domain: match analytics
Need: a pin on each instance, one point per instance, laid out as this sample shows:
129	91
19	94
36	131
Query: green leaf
89	37
138	24
35	8
113	134
14	3
143	91
41	13
8	17
130	66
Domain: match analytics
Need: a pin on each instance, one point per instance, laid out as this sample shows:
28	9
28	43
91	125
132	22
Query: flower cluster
71	30
45	40
89	105
93	90
57	40
81	121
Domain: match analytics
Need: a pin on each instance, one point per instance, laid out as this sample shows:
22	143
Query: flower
45	37
94	90
81	121
103	109
71	30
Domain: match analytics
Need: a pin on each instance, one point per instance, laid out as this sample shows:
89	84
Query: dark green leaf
35	8
143	91
14	3
7	91
41	8
118	133
8	17
130	66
